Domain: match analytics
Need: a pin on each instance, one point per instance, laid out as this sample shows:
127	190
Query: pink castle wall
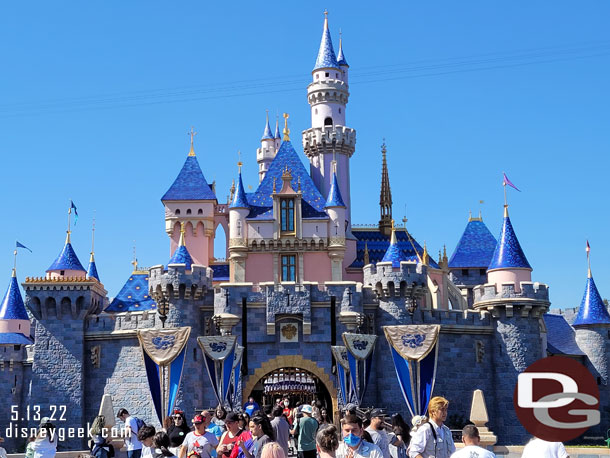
317	267
67	273
259	267
515	276
198	246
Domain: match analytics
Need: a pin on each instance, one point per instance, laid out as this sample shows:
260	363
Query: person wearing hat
308	426
199	443
177	431
228	447
380	437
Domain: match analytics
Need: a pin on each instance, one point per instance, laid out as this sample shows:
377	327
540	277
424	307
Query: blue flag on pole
20	245
72	206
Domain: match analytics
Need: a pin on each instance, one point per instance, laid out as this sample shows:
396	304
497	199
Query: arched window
188	211
287	215
200	212
177	211
328	121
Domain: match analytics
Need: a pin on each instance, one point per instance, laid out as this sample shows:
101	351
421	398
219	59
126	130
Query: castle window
482	271
316	111
188	211
328	121
465	272
289	267
200	212
177	211
62	272
287	215
327	74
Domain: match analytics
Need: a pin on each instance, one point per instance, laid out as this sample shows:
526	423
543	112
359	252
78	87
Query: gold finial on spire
366	254
68	236
393	239
192	133
469	215
286	131
182	232
274	184
239	162
425	258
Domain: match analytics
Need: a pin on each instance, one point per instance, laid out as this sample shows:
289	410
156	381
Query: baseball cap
232	417
377	413
198	419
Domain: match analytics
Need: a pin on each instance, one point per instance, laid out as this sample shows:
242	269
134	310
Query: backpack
110	450
139	423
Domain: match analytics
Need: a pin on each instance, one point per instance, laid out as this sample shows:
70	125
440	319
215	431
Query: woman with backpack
99	447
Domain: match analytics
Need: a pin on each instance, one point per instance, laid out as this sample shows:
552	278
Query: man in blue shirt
251	406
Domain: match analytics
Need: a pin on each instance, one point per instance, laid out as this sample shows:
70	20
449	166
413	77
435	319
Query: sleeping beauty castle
307	304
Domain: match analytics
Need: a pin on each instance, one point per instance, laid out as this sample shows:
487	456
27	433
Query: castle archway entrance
295	377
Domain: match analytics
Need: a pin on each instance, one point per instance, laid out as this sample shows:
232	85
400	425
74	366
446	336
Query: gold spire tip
505	211
192	133
286	131
239	162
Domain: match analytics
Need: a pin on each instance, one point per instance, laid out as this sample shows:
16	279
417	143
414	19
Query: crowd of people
282	430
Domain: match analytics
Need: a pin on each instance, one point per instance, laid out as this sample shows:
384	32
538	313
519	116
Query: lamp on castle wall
162	307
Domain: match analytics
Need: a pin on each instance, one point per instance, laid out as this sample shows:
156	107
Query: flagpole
588	260
15	261
69	213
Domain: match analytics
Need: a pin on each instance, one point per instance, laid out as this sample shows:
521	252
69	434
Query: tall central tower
329	139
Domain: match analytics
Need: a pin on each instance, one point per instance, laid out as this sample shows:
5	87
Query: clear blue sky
97	98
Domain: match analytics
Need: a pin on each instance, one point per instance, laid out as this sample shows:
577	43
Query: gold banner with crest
340	354
217	347
360	345
163	345
413	341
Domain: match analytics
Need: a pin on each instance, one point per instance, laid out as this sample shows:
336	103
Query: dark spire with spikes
385	199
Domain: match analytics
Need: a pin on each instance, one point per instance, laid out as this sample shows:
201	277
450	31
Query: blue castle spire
92	270
334	195
341	57
181	255
592	309
240	200
394	254
13	308
277	129
476	246
326	54
67	259
267	135
508	253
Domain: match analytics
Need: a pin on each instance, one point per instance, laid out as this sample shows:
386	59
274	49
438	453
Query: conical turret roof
190	184
592	309
240	200
181	255
475	248
92	270
326	54
334	195
394	254
67	259
508	253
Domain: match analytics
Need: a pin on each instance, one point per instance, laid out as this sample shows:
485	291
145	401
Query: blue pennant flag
20	245
72	206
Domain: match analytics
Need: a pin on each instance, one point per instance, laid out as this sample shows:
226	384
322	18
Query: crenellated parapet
329	139
531	298
409	280
176	282
328	90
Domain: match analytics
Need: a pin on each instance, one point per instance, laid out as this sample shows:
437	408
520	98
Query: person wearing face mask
288	411
352	445
433	438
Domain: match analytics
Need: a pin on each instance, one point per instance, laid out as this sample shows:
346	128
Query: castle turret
277	135
328	138
238	248
335	208
394	254
61	302
516	306
92	269
14	335
181	255
341	58
191	201
592	325
266	153
508	263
